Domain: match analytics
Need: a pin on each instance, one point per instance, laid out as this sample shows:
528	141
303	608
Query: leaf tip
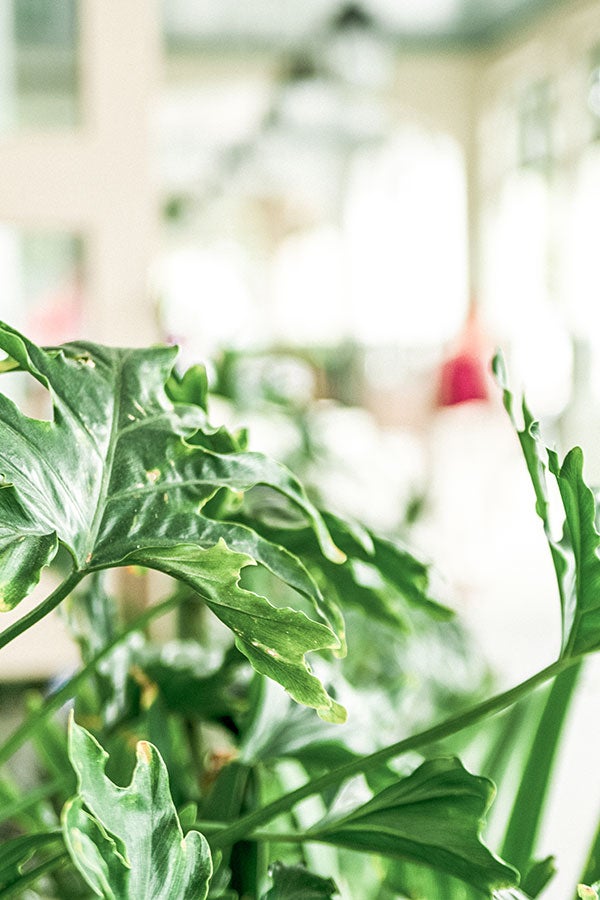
336	555
144	752
499	368
335	713
586	893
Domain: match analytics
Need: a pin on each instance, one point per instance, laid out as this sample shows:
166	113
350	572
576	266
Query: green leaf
129	840
25	547
420	883
380	576
16	853
94	623
95	853
274	640
575	555
535	780
122	475
538	876
398	566
296	883
585	892
197	681
510	894
433	817
592	864
189	387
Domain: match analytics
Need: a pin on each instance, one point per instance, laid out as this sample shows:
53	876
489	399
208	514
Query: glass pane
38	64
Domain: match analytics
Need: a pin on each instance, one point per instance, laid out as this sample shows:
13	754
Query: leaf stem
208	827
524	822
56	700
42	609
253	820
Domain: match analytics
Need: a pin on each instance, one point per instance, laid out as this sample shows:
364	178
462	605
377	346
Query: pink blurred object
57	316
464	375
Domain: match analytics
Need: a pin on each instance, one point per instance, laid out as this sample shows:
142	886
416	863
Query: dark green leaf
538	876
296	883
121	475
433	817
194	680
130	838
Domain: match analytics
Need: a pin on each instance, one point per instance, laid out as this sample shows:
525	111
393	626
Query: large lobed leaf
127	842
434	818
122	474
575	555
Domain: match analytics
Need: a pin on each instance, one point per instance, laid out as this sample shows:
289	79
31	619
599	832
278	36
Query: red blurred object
464	375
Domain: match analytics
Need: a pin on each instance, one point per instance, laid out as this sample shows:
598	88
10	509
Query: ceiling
271	23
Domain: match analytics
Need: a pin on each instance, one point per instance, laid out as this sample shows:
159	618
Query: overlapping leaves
575	554
380	576
122	474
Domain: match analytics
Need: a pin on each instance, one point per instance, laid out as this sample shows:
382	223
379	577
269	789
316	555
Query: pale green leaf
95	853
129	840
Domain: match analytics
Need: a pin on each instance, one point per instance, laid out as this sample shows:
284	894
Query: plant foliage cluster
238	789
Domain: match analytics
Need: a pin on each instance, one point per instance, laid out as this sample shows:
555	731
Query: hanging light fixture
355	49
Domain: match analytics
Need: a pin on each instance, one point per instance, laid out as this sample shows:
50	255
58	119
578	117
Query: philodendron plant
128	472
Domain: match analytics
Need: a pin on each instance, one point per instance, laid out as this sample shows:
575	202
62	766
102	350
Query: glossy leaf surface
575	554
129	840
122	473
433	817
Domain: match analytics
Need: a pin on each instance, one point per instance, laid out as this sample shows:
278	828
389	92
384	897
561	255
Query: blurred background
342	208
